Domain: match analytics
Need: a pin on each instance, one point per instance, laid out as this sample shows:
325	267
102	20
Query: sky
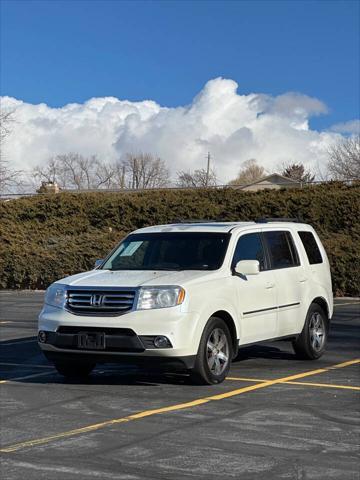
145	73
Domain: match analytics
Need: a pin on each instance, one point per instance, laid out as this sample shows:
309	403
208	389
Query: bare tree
104	174
197	178
143	171
10	179
51	171
344	163
74	168
250	172
6	120
297	171
74	171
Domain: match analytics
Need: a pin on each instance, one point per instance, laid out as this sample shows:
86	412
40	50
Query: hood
134	278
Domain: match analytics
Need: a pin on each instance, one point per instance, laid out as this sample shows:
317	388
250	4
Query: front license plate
91	341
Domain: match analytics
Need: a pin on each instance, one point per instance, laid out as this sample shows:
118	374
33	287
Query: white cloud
352	127
233	127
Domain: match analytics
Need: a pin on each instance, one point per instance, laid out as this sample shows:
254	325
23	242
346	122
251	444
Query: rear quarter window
311	247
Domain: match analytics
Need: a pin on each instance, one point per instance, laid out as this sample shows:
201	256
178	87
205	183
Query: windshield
169	251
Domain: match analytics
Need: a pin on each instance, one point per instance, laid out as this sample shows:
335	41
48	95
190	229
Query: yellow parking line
344	364
325	385
310	384
245	379
171	408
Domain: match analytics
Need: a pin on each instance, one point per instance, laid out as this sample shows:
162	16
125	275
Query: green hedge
43	238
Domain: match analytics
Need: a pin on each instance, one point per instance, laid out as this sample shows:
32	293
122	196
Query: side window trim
293	250
267	261
268	265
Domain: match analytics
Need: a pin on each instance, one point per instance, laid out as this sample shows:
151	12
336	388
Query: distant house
273	182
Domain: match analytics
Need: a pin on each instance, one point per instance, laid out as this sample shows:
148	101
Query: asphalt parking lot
275	417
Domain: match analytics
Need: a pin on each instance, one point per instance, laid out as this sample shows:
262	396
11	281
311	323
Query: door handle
269	285
303	280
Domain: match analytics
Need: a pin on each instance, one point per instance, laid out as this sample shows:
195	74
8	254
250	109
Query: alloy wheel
317	331
217	351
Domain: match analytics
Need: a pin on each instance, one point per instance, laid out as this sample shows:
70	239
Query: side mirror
247	267
98	262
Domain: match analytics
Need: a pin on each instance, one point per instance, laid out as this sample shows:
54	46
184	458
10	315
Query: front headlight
56	295
160	297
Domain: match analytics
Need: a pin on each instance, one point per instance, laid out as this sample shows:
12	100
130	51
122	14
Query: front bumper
114	339
129	335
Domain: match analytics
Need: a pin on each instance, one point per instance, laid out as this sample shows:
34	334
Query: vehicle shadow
22	360
343	337
22	357
266	351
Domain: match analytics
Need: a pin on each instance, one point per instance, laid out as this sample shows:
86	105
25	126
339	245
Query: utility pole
134	172
208	169
122	181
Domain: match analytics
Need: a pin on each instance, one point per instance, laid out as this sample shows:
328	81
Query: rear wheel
214	355
74	370
311	343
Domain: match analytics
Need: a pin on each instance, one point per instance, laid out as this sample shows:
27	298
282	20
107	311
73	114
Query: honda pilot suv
190	295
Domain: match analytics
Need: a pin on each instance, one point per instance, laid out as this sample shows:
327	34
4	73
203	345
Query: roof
195	227
222	227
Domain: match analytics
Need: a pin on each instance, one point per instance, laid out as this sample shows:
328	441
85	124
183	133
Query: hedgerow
43	238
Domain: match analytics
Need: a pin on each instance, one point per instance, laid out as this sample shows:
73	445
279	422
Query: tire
214	355
74	370
311	343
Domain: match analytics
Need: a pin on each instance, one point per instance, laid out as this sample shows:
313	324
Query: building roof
268	178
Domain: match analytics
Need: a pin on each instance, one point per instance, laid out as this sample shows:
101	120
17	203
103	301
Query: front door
256	294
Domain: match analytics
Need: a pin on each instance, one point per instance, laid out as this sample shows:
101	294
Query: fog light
161	342
42	336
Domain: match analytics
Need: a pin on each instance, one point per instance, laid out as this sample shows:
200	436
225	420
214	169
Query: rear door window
282	250
250	247
311	247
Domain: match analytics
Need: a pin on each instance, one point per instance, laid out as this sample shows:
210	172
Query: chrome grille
100	302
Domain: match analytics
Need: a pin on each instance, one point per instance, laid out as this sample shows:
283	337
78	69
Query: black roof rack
280	219
219	220
192	220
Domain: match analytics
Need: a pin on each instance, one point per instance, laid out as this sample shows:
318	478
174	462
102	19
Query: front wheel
74	370
311	343
214	355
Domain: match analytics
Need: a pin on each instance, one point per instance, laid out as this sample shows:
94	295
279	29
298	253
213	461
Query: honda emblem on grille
96	300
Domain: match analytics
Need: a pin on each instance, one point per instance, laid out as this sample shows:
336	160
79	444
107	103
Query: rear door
290	277
256	299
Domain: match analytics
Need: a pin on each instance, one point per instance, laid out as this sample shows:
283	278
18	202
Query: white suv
191	294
